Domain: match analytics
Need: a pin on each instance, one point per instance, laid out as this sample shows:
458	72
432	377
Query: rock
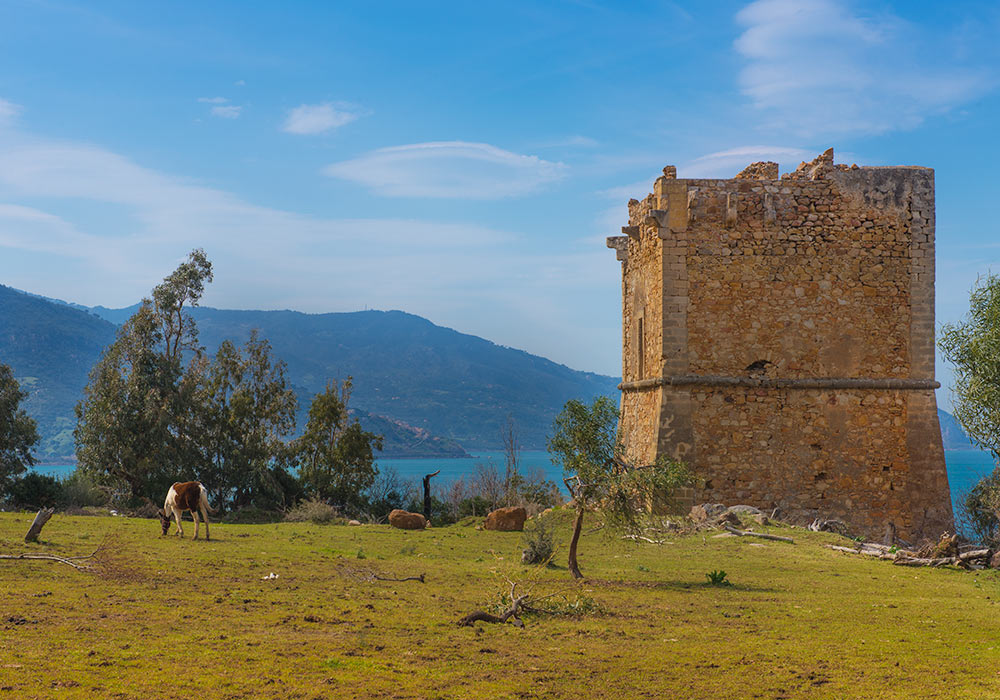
995	561
744	510
353	522
727	518
405	520
506	519
760	519
703	512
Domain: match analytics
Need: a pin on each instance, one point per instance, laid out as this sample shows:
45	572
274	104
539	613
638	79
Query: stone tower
778	337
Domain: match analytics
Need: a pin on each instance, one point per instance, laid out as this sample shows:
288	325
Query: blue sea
965	467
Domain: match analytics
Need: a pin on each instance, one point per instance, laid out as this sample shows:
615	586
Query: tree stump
41	517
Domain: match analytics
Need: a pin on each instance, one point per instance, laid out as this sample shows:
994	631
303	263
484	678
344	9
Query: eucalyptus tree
335	455
18	431
244	408
130	422
973	347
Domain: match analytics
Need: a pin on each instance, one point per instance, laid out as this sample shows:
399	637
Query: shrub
717	578
314	511
80	491
34	490
539	545
978	510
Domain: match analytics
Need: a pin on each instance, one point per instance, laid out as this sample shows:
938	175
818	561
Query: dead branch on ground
512	613
762	535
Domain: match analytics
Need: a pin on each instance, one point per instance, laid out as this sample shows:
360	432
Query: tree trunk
574	568
38	523
427	493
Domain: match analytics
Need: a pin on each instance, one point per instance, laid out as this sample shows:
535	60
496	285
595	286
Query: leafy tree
131	419
585	443
335	455
243	409
973	347
18	432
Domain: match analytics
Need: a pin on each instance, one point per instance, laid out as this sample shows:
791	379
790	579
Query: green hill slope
51	348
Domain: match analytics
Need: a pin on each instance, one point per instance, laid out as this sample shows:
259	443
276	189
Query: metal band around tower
765	383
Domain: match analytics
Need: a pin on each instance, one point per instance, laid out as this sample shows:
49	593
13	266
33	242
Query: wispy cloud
316	119
448	169
822	67
226	111
213	100
728	163
8	110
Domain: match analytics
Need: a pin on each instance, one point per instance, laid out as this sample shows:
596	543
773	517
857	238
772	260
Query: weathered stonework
778	336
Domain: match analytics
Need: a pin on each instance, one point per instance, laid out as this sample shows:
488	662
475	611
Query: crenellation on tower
778	335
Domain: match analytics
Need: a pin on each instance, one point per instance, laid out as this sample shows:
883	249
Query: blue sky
461	161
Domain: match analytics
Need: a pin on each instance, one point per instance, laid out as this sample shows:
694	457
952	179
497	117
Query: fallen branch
511	613
762	535
376	577
69	561
638	538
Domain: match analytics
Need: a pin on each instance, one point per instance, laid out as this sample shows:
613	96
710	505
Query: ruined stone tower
778	336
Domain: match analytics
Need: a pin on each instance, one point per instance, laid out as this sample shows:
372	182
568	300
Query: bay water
965	467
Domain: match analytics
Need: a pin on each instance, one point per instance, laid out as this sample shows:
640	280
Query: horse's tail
205	503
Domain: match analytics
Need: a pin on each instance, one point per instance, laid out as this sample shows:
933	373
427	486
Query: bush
978	510
314	511
539	545
34	490
80	491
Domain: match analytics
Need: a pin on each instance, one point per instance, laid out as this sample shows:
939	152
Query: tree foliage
18	432
973	347
585	442
131	421
243	408
335	455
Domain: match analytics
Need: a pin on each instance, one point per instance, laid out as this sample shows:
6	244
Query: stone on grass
404	520
353	522
506	519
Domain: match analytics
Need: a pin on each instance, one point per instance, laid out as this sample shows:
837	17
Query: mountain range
430	390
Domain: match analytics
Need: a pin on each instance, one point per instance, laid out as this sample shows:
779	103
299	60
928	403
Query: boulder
404	520
995	560
506	519
744	510
353	522
705	511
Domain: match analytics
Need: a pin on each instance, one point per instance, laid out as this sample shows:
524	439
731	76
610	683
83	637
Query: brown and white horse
190	495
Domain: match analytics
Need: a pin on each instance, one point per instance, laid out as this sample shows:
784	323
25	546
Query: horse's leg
204	516
194	516
177	518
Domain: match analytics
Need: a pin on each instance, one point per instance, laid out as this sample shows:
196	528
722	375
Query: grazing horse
190	495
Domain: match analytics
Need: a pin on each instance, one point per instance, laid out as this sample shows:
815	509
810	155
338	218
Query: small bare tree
512	459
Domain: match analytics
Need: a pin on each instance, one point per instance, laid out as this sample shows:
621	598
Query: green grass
166	618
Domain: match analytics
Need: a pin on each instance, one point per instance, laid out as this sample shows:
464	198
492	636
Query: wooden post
427	493
41	517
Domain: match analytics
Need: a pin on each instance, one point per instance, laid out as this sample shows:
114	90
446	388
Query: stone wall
787	340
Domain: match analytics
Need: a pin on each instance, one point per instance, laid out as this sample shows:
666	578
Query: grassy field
169	618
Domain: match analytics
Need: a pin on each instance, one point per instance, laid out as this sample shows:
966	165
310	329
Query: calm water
965	467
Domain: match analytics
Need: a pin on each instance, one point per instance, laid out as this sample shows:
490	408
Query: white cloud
315	119
8	110
226	111
821	67
213	100
448	169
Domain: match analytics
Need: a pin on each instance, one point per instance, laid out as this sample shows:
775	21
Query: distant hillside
952	435
51	348
430	390
451	384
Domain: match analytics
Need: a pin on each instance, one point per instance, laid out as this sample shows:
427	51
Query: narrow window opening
642	351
